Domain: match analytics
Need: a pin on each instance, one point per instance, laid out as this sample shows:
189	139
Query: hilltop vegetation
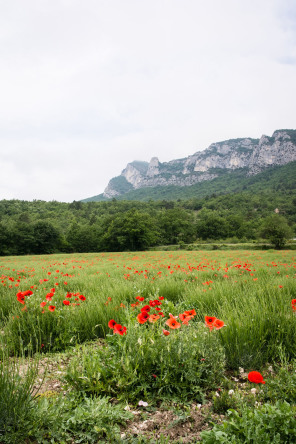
232	209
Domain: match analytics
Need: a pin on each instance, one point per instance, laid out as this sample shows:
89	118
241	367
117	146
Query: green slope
279	178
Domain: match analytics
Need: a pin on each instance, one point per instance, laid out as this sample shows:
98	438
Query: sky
88	86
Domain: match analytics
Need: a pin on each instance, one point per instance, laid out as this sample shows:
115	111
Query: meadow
144	333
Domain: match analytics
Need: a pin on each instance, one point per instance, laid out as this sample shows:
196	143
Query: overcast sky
87	86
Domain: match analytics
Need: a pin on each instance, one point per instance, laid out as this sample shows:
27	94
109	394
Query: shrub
145	363
266	424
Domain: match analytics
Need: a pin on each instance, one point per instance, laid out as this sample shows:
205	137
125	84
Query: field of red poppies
213	329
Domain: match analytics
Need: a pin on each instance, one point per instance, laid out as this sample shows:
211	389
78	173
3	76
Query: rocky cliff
253	155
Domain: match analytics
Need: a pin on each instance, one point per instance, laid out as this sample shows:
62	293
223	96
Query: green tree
276	229
46	238
130	231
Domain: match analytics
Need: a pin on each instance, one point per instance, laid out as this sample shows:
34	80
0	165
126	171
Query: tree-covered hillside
225	209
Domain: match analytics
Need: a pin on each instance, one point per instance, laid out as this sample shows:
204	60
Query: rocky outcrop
254	155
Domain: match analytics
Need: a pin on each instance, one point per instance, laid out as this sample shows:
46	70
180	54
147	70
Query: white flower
253	391
143	403
230	392
217	394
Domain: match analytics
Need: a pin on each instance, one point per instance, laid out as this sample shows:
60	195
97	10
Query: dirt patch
182	427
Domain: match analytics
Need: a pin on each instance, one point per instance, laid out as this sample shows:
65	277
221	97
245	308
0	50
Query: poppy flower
119	329
27	293
51	308
43	304
185	318
165	332
190	312
65	302
112	323
209	320
218	324
20	297
173	323
293	303
140	298
143	317
145	308
256	377
153	318
82	298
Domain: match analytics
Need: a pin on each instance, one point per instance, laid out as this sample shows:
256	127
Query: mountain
238	158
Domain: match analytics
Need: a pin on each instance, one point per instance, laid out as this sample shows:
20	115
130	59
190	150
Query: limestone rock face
254	155
132	175
153	168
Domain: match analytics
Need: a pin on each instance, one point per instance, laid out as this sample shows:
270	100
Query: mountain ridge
248	155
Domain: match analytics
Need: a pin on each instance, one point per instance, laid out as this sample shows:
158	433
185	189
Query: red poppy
185	318
173	323
143	317
27	293
153	318
218	324
293	303
51	308
209	321
43	304
112	323
119	329
69	295
65	302
190	312
256	377
81	297
145	308
165	332
20	297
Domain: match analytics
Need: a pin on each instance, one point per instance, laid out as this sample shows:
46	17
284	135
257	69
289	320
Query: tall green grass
249	291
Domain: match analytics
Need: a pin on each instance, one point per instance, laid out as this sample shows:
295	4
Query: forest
39	227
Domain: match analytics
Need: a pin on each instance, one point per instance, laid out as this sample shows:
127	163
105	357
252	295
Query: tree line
40	227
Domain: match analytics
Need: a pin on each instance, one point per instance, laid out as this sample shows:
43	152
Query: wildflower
209	321
65	302
145	308
173	323
218	324
256	377
143	403
81	297
51	308
165	332
153	318
119	329
143	317
43	304
190	312
20	297
112	323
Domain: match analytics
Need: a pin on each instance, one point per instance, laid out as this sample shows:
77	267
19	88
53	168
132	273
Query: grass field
57	309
